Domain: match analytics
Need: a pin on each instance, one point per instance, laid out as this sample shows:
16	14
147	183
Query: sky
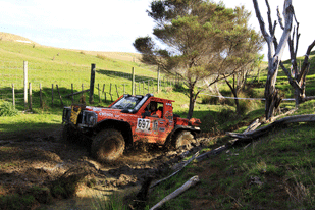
113	25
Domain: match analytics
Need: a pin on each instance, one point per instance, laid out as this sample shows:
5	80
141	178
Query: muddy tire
108	145
183	138
68	135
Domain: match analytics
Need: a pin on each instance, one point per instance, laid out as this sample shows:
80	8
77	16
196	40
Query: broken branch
190	183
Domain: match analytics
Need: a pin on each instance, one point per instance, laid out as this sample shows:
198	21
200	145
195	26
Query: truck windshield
128	102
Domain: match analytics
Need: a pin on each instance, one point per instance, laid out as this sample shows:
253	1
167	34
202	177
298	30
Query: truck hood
102	109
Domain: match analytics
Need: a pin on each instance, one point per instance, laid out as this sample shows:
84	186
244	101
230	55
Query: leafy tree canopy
199	39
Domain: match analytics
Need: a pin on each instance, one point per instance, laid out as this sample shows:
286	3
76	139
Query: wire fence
56	85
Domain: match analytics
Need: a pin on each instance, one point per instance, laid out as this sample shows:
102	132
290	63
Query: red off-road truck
128	120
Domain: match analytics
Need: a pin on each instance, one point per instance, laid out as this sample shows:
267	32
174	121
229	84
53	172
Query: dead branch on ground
190	183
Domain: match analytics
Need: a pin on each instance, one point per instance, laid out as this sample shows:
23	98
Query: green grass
62	67
274	172
283	161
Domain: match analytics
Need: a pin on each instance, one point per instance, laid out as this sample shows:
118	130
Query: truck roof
149	96
162	99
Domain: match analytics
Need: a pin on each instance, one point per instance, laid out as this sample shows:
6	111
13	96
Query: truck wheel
182	138
68	134
108	145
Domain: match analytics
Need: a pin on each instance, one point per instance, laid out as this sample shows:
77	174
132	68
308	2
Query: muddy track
39	158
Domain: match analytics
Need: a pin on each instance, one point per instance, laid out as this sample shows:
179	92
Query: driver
154	111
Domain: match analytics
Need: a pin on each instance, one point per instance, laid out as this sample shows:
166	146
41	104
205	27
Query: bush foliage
7	109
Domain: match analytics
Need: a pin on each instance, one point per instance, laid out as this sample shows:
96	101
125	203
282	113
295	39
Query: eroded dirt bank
42	159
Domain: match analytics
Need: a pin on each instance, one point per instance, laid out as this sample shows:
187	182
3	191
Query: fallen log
212	152
190	183
263	130
165	178
252	126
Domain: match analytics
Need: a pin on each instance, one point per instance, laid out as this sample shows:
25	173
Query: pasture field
54	66
49	66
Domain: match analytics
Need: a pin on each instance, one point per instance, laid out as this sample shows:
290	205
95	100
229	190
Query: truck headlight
92	119
89	118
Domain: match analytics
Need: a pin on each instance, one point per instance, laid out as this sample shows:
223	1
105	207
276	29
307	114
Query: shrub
225	114
215	123
7	109
210	100
17	202
249	105
310	91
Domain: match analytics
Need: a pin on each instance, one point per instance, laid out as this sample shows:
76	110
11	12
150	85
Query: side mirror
146	114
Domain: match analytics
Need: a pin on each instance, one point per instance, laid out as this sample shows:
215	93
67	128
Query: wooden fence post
99	93
13	96
148	86
71	92
82	90
92	83
104	92
40	95
143	88
110	92
52	94
117	91
133	80
59	95
25	73
31	97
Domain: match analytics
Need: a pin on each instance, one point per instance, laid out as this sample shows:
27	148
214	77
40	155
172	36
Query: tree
275	51
257	64
297	76
200	39
237	83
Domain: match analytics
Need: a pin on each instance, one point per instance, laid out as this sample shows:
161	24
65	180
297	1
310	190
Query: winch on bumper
79	118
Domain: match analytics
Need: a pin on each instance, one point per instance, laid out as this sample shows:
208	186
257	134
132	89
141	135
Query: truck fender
178	128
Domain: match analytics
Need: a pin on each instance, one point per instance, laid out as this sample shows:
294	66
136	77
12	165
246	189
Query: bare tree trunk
236	88
298	80
192	102
271	94
258	74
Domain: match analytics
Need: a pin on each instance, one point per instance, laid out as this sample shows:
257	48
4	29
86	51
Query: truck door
156	127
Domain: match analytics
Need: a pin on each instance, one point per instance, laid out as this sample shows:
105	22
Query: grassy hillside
273	172
54	66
